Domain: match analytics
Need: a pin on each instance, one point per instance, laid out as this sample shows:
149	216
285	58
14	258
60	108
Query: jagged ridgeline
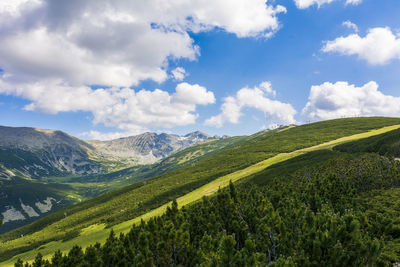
183	238
37	153
42	171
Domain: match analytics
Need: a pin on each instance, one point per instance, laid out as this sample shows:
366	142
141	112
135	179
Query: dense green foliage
70	190
180	159
322	215
17	190
387	144
143	196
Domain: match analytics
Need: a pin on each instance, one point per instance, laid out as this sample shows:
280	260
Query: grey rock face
146	148
36	152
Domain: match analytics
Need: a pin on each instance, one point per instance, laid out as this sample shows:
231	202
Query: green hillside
180	159
68	190
17	191
135	200
324	208
387	144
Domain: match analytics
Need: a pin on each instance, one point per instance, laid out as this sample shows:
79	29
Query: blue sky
262	81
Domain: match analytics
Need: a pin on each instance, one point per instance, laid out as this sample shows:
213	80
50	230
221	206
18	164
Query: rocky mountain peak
198	134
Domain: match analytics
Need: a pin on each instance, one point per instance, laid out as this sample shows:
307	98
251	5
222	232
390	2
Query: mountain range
318	190
44	170
36	153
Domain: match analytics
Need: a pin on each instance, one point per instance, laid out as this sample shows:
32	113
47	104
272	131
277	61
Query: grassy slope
95	232
126	176
387	144
74	189
180	159
29	191
87	187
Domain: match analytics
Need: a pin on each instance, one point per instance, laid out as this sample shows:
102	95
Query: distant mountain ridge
35	153
145	148
29	154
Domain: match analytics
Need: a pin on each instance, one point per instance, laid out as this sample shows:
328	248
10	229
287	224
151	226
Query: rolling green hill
387	144
44	170
180	159
138	198
22	197
29	200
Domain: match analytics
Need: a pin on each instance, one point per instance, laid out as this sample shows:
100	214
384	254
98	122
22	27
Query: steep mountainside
39	153
24	201
188	156
21	196
145	148
387	144
86	221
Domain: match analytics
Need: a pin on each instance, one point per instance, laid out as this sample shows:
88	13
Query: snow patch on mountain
12	214
29	210
46	205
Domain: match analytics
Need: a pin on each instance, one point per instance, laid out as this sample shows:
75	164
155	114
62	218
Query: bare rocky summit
36	153
145	148
29	154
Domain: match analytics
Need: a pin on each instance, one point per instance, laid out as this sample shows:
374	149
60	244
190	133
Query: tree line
315	217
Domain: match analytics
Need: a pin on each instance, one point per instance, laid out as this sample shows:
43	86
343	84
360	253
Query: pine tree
227	253
57	258
19	263
38	262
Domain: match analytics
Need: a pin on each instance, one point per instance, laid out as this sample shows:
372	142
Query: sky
104	69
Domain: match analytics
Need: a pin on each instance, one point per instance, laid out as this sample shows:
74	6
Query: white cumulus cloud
341	99
117	42
231	109
193	94
96	135
303	4
124	108
378	47
353	2
350	25
53	52
178	73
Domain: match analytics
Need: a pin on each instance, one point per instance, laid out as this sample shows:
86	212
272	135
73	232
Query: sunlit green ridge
96	232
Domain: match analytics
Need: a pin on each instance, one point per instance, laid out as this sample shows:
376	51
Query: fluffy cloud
341	99
52	52
350	25
178	73
378	47
192	94
231	109
267	87
125	108
303	4
117	42
96	135
353	2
